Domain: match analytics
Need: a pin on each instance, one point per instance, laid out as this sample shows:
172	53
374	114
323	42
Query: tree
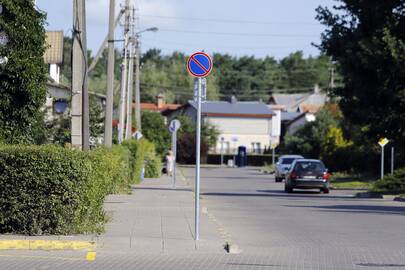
367	40
187	139
22	80
155	130
308	140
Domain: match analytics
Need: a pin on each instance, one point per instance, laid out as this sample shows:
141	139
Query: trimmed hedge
53	190
391	184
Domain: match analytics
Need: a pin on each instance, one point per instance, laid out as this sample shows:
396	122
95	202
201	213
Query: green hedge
391	184
52	190
143	156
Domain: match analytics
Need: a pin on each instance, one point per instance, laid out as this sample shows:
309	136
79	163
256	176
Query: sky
257	28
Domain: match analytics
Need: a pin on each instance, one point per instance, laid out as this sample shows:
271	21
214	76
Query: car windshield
309	166
287	161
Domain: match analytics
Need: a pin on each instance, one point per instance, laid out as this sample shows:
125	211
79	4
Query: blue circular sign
199	64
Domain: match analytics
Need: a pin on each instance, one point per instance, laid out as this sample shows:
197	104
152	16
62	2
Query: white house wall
247	131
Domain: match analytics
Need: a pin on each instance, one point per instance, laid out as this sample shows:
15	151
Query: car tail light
326	176
293	175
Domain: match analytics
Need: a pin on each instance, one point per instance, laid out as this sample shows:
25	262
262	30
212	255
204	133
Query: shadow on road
371	209
160	188
281	194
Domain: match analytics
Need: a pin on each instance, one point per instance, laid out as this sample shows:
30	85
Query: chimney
317	89
160	101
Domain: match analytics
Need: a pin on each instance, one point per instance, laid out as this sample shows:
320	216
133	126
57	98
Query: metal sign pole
382	162
392	160
197	163
174	150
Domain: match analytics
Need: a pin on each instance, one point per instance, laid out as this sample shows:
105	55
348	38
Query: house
310	102
298	109
159	106
53	56
246	124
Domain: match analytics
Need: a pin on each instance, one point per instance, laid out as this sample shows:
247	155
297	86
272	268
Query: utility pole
128	133
332	78
137	85
124	75
86	102
130	98
78	75
110	78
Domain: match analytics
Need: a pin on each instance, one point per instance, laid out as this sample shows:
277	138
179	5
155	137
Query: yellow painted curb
46	245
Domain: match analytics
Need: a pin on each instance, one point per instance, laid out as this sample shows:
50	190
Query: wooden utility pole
110	78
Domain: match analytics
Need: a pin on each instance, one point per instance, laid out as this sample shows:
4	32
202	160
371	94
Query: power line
236	34
229	20
168	46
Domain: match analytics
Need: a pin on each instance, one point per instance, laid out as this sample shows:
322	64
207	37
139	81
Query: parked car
307	174
283	166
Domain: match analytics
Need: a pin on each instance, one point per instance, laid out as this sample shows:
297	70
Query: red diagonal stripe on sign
199	64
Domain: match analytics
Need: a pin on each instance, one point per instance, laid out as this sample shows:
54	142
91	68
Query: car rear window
309	166
287	160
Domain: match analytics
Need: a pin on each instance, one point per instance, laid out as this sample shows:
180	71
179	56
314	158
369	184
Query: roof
309	102
238	109
155	108
54	52
289	116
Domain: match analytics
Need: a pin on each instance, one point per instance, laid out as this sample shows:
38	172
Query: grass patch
341	180
268	168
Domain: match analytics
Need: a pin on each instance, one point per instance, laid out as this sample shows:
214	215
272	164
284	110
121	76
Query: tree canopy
367	40
246	77
22	79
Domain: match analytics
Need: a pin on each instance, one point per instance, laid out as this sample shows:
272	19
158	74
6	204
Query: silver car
283	166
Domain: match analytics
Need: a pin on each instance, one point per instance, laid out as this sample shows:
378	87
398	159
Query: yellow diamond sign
383	141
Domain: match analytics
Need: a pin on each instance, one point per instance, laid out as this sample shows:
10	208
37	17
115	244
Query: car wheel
278	179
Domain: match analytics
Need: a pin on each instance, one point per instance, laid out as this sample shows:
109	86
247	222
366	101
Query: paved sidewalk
156	218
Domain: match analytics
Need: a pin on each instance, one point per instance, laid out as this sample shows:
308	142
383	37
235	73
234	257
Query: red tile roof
155	108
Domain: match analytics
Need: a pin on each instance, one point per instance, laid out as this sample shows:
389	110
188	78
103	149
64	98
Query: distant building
54	54
298	109
159	106
307	102
246	124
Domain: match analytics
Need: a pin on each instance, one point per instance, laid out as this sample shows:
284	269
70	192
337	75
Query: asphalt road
306	228
273	230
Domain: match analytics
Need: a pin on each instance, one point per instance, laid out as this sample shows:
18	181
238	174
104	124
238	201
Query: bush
52	190
153	164
392	184
143	156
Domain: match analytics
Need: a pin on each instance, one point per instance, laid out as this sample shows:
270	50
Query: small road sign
383	142
174	126
199	64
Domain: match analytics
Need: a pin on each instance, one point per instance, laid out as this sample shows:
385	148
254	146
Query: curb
46	245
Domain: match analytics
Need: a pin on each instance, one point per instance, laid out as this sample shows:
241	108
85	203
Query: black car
307	174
